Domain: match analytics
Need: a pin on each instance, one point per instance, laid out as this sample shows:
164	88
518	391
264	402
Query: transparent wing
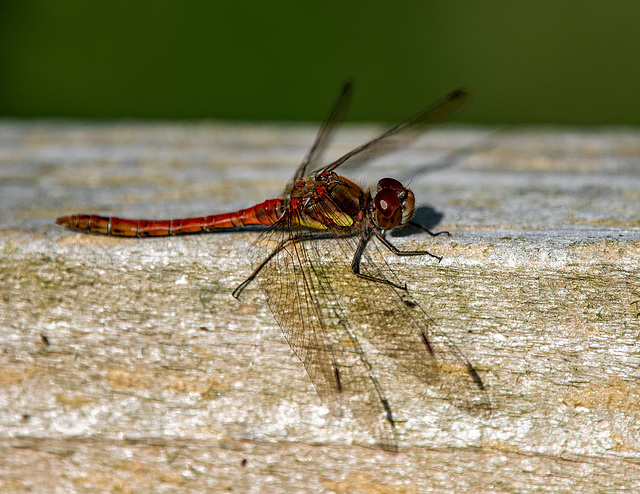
402	134
398	326
298	289
316	152
326	313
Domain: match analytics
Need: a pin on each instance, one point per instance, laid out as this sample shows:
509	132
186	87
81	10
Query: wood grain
126	366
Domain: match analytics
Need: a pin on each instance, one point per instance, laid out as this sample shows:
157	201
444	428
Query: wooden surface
126	366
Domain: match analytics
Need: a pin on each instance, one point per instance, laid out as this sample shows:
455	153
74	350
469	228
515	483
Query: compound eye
387	202
388	211
389	183
408	207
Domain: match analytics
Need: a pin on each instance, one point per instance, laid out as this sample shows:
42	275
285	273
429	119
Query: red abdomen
266	213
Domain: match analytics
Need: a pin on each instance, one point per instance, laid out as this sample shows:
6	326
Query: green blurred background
565	62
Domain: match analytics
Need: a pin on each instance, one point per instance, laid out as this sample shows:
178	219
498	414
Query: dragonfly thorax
393	204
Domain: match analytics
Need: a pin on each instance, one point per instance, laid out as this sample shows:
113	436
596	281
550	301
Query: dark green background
571	62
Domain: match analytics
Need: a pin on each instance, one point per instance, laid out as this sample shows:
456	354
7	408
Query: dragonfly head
393	204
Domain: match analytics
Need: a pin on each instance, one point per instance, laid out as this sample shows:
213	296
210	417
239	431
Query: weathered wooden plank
127	366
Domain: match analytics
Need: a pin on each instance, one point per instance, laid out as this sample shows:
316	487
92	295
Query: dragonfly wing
297	286
401	329
402	134
316	152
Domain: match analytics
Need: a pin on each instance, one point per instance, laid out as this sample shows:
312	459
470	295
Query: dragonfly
332	316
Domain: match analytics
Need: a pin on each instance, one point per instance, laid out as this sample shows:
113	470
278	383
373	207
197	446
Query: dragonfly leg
425	229
301	237
355	266
399	252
